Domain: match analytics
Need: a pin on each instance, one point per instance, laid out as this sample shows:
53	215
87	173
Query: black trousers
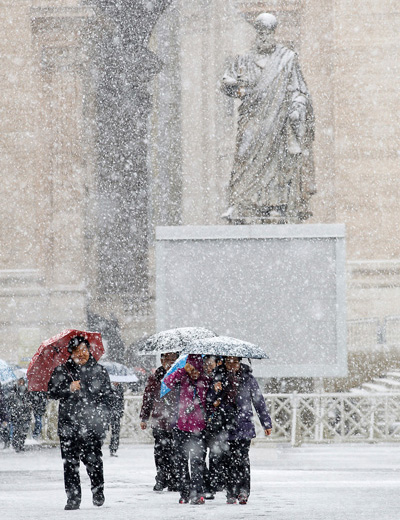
215	473
190	448
164	458
20	429
5	435
238	468
115	423
88	450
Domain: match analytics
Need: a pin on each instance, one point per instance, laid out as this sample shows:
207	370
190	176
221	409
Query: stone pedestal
280	287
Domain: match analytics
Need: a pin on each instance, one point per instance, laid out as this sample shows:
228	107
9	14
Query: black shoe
197	500
243	498
113	454
71	505
158	487
98	498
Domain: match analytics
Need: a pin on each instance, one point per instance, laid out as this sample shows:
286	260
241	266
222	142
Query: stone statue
273	173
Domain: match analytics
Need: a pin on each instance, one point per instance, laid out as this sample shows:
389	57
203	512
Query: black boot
71	504
158	486
98	498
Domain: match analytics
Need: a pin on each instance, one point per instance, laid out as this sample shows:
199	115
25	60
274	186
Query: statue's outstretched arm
229	86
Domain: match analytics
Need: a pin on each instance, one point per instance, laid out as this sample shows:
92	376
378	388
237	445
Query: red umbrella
54	352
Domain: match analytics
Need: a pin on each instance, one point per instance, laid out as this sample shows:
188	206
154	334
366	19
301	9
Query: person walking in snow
161	412
38	402
4	420
84	390
215	435
116	413
240	393
20	411
189	432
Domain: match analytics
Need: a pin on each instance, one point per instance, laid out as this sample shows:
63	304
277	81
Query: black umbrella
225	346
173	340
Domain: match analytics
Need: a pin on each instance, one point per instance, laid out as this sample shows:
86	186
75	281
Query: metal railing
369	332
364	333
296	418
339	417
391	330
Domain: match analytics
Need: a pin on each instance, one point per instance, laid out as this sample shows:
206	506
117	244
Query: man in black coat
163	413
117	411
20	411
84	390
38	402
4	420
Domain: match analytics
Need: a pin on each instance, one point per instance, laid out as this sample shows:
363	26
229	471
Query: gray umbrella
174	340
119	373
225	346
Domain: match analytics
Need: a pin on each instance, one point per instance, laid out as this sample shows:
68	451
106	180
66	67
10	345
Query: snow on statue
273	173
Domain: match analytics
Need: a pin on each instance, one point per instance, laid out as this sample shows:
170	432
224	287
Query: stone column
122	68
63	176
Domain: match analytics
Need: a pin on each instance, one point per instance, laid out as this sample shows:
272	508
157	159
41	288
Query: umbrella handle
69	373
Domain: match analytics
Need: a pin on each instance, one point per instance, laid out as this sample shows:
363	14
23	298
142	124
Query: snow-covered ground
309	483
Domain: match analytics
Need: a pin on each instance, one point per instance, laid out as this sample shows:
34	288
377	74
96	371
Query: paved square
326	482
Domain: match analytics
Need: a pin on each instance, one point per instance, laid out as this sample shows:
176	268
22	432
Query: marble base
280	287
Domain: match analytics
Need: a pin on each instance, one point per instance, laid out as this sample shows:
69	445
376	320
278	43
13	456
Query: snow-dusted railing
391	330
363	333
339	417
296	418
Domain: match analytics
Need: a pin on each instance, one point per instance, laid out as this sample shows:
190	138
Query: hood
246	369
160	373
196	361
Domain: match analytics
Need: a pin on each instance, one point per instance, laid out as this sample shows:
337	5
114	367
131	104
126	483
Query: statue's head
265	23
265	26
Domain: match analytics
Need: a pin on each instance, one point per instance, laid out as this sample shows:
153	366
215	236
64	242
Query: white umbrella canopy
20	372
6	372
174	340
225	346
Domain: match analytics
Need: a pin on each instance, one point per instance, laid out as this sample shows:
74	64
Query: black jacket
163	411
19	406
3	407
38	402
117	409
85	412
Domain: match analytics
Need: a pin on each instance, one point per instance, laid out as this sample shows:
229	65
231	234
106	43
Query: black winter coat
38	402
19	406
163	411
117	409
3	407
85	412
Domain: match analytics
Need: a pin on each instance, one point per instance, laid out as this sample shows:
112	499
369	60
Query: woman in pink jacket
188	434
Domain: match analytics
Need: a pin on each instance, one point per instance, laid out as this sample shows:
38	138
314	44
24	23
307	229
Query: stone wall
43	261
348	51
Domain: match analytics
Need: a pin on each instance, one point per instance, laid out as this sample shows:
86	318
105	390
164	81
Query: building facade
61	257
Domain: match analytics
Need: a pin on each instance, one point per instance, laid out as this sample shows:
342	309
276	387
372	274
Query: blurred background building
112	123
